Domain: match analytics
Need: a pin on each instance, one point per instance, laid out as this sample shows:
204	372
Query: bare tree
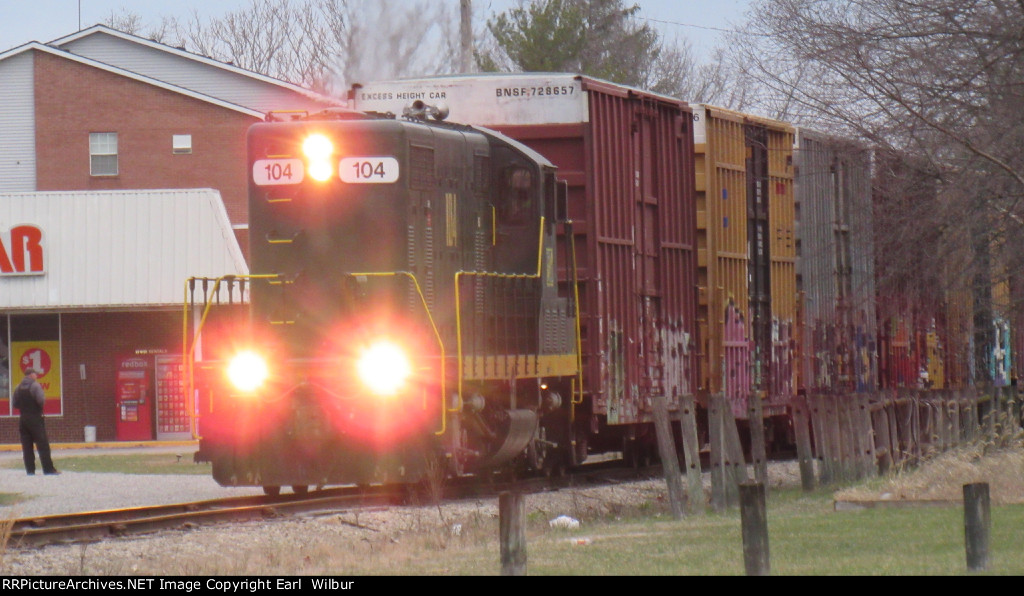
325	45
132	23
288	39
904	73
392	38
126	21
936	85
716	82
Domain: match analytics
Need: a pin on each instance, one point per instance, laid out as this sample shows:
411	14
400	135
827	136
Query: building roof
112	249
179	71
36	46
73	43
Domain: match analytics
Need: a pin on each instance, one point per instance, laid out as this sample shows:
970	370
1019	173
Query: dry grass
5	536
943	477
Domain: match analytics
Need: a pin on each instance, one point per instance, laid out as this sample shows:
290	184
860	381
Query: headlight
321	171
384	368
318	150
317	147
247	371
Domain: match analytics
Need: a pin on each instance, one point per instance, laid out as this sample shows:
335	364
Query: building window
181	144
103	154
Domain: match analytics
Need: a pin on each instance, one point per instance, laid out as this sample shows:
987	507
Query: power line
706	27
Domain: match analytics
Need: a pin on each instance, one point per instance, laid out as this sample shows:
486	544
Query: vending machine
134	400
173	418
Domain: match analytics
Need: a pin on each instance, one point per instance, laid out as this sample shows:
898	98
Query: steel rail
95	526
92	526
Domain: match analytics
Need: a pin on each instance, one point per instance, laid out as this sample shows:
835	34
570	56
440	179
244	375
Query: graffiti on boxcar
676	357
736	372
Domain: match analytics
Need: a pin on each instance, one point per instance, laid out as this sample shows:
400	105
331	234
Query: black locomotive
405	313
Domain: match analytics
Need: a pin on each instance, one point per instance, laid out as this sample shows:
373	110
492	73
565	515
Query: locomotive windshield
517	212
516	205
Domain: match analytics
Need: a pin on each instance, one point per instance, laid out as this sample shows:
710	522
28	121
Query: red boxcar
627	158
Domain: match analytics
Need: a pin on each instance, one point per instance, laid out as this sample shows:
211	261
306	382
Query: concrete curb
107	445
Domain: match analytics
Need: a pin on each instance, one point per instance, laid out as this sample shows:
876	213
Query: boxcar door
650	366
758	239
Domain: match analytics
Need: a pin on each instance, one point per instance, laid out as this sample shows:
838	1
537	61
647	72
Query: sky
22	21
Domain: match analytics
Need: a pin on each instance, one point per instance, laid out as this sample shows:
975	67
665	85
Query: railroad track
94	526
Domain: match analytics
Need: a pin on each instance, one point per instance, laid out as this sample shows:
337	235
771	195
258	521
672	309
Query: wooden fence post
953	415
977	523
903	426
892	416
969	410
691	451
847	437
869	462
834	438
758	450
947	424
669	459
991	407
1006	425
728	467
716	403
941	424
754	525
737	463
1013	411
929	434
801	421
883	440
820	435
512	533
915	428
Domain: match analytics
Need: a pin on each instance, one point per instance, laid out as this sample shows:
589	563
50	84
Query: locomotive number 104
352	170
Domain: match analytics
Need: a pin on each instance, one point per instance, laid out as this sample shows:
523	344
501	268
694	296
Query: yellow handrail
188	353
458	301
579	332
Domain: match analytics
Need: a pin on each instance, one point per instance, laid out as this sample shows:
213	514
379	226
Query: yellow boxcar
746	227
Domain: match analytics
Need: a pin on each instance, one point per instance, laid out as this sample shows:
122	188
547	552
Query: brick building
95	124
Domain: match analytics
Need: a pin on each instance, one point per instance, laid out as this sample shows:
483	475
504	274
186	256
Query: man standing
29	399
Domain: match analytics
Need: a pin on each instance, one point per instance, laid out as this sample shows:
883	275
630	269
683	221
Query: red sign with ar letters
21	251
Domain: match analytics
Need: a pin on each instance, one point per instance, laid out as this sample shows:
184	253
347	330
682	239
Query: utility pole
466	35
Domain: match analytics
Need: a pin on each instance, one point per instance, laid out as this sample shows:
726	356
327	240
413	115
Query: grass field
806	537
128	463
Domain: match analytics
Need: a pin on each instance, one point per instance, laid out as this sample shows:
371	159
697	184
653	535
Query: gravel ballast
248	548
